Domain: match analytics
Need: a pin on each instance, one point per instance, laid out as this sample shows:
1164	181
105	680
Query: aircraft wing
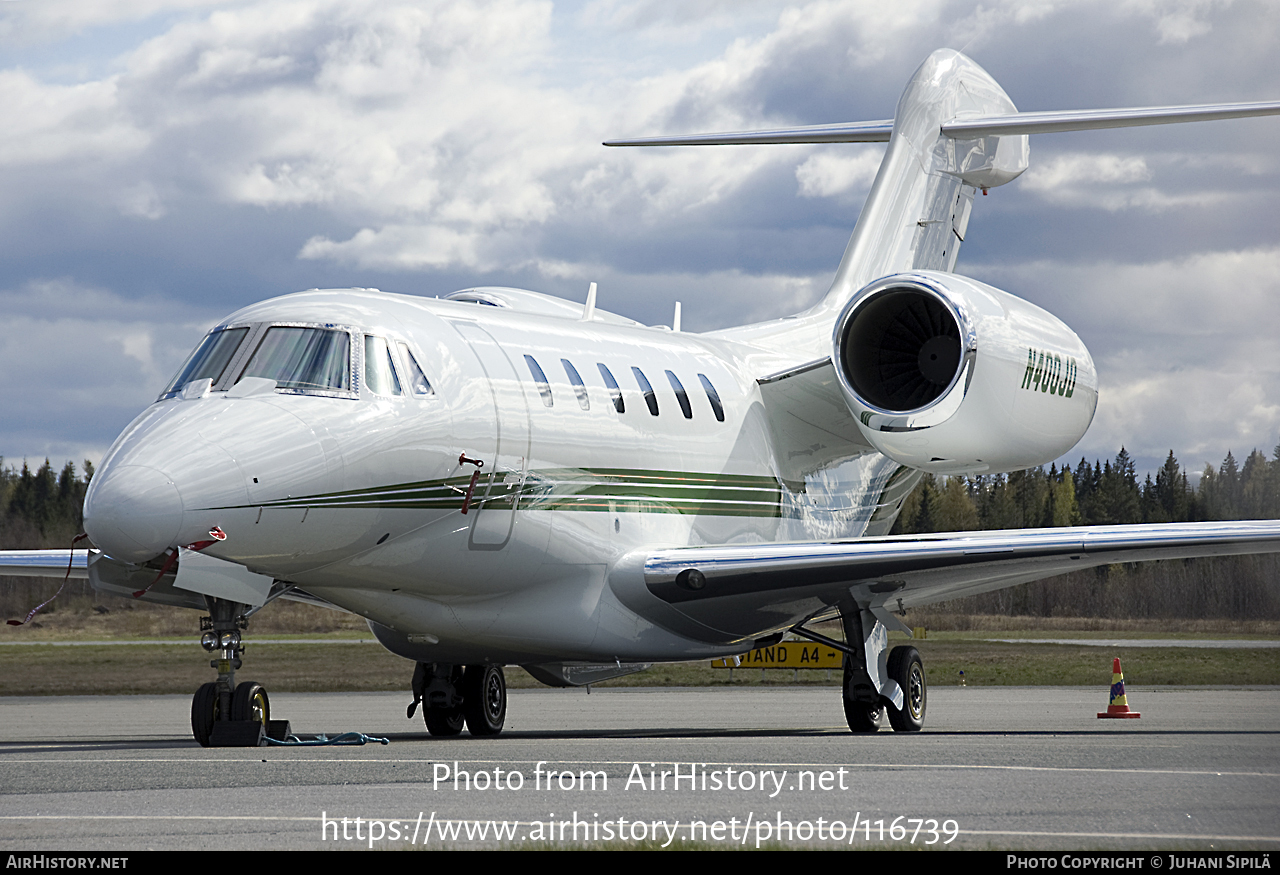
44	563
119	579
748	590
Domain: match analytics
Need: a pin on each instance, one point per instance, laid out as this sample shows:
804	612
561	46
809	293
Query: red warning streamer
70	558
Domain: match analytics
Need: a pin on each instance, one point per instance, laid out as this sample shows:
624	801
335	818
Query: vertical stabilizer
917	213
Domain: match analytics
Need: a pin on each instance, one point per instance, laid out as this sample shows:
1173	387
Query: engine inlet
901	349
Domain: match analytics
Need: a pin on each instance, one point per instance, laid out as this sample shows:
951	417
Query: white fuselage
358	499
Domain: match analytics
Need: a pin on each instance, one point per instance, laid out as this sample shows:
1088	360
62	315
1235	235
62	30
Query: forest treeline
42	509
1110	493
1104	493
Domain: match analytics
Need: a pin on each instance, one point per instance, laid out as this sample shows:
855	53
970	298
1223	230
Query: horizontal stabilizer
1095	119
846	132
973	127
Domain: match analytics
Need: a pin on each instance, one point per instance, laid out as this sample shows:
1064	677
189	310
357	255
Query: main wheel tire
484	699
906	667
204	713
861	716
250	702
443	722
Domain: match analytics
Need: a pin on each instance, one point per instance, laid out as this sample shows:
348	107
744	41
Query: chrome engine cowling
947	374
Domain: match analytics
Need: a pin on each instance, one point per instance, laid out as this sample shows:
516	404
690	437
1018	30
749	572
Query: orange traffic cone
1119	706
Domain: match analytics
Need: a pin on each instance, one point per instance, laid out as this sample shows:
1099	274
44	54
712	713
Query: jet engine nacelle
950	375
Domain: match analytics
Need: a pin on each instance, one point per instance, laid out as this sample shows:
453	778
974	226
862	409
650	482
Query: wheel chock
279	730
237	733
1119	706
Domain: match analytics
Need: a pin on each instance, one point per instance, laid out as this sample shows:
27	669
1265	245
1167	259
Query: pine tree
1228	489
953	510
1172	495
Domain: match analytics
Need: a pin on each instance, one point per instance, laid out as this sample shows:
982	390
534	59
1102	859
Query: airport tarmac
996	767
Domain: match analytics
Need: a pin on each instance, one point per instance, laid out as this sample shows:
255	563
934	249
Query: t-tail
940	372
955	132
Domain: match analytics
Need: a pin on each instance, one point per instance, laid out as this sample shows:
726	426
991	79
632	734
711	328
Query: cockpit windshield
303	359
209	360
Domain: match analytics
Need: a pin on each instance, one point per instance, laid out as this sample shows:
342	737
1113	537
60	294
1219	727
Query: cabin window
379	368
579	388
418	382
713	396
650	398
303	359
681	395
544	388
615	394
209	360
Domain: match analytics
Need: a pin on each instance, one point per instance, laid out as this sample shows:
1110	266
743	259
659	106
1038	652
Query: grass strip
180	668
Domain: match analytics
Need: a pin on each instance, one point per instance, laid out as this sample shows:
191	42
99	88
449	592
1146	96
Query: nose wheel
204	713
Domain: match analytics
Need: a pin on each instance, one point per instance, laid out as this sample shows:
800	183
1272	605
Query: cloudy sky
165	162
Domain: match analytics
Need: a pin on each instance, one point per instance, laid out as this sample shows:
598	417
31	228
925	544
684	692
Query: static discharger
1119	706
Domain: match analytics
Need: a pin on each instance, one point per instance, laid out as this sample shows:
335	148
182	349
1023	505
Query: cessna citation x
501	477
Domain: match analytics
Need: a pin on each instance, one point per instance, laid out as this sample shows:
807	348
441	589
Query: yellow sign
788	654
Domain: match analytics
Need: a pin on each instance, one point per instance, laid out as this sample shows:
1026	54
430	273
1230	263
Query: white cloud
28	22
1177	347
1110	182
457	142
1177	21
80	357
1083	167
48	124
832	173
401	247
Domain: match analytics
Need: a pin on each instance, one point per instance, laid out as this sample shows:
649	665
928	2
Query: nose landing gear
224	713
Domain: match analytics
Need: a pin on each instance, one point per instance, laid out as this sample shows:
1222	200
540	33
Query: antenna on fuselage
589	309
675	319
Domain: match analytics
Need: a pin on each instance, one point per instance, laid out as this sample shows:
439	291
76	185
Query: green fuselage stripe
601	490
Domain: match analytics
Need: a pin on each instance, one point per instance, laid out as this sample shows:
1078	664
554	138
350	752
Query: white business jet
501	477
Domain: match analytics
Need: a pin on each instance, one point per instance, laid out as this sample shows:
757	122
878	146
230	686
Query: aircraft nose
133	512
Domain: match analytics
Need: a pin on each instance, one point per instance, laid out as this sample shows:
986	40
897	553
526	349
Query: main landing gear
452	695
878	681
224	713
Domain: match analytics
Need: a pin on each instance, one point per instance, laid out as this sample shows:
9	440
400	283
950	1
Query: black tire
443	722
907	668
484	699
204	713
861	716
250	702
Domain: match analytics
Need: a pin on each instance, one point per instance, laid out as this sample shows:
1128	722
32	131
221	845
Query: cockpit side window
303	359
418	382
379	368
209	360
